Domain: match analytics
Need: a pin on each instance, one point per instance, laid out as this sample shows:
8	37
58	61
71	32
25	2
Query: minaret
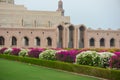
7	1
60	7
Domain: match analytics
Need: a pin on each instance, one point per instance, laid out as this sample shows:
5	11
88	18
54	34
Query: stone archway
102	42
81	36
92	42
71	37
14	41
2	41
49	41
26	41
60	36
37	41
112	42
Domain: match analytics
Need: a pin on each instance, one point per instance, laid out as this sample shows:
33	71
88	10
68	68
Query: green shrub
98	49
117	50
48	55
8	51
88	58
105	58
23	53
111	50
115	75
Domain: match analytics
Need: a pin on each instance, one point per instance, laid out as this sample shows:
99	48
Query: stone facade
20	27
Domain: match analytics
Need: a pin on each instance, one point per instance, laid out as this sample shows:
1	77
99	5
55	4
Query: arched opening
112	42
92	42
102	42
26	41
37	40
60	37
49	41
14	41
81	37
2	41
71	37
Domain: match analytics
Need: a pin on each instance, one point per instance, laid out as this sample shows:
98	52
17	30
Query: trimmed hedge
82	69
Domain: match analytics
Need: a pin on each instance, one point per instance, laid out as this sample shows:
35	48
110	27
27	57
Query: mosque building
24	28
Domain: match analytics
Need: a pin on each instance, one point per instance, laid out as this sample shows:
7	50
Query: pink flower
66	56
34	52
2	50
15	51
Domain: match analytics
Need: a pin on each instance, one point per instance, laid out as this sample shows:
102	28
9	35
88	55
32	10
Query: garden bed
80	69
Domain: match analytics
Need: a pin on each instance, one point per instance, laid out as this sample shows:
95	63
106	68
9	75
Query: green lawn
12	70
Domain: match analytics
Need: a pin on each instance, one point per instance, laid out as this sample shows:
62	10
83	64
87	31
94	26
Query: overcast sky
92	13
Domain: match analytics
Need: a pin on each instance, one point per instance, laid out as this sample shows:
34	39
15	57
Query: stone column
97	43
66	37
107	42
86	41
75	38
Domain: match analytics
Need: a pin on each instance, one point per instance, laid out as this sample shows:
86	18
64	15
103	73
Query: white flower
48	55
7	51
106	54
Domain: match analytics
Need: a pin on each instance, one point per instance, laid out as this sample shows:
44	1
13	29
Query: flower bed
105	58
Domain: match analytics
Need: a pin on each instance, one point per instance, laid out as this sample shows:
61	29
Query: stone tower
6	1
60	7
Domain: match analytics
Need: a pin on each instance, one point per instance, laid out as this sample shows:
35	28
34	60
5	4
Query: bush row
81	69
83	56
